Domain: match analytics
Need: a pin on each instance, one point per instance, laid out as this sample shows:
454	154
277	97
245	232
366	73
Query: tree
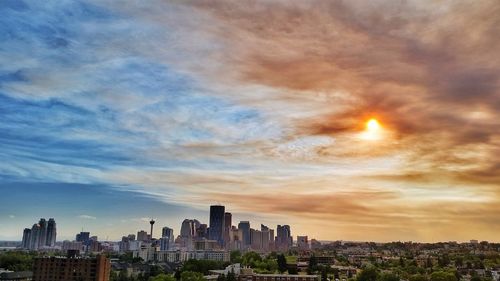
281	263
236	257
387	277
418	277
221	277
192	276
177	275
313	264
367	274
324	274
162	277
443	276
231	276
251	259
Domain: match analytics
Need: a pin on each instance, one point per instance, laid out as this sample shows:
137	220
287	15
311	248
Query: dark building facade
245	230
51	233
71	269
284	239
216	228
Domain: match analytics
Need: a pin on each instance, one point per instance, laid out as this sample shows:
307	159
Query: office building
216	224
51	233
303	242
284	239
42	233
25	244
256	239
227	227
83	237
71	269
245	229
189	227
35	237
202	231
142	236
167	238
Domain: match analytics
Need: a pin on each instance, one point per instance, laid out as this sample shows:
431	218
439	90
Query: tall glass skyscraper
216	231
245	230
51	233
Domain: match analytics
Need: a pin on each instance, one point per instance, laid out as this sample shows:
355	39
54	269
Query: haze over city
348	120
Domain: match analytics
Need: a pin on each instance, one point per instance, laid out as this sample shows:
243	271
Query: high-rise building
202	231
167	232
216	231
35	237
41	234
142	235
26	238
42	240
266	237
51	233
167	238
245	229
83	237
303	242
256	239
227	227
284	239
189	227
71	269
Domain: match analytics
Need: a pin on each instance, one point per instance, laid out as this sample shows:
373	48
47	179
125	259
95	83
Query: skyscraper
216	231
41	234
51	233
188	228
284	238
83	237
167	238
142	235
42	240
26	238
227	227
245	229
35	237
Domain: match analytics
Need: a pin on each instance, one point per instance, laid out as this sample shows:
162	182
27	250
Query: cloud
187	102
87	217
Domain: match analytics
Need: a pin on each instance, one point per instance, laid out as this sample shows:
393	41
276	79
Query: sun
373	130
372	125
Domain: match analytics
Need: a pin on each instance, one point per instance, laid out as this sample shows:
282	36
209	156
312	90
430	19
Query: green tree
162	277
231	276
221	277
418	277
387	277
367	274
192	276
236	257
313	264
443	276
251	259
282	267
324	274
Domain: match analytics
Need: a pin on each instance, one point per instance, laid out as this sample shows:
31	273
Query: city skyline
346	120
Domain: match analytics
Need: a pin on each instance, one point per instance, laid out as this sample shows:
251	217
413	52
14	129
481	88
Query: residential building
71	268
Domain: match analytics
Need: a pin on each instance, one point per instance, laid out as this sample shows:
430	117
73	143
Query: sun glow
372	125
373	130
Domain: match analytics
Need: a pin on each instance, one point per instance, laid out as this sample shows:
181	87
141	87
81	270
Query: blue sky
114	112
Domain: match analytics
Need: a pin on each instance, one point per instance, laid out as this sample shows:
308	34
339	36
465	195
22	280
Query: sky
114	112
